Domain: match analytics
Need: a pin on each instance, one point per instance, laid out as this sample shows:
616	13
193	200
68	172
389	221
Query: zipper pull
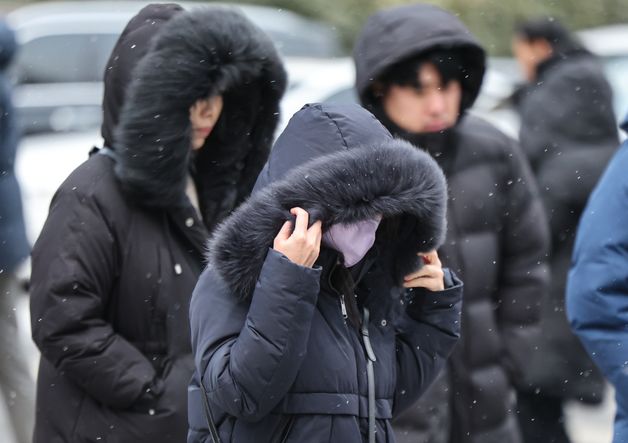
343	307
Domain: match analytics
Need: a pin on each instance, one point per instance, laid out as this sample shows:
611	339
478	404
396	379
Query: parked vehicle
65	47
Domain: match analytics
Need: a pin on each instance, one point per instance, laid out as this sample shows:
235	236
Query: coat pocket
91	423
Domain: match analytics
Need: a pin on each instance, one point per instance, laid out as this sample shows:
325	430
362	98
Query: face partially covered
352	240
431	106
204	114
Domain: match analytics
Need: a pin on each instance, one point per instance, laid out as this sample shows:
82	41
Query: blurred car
325	80
64	47
43	162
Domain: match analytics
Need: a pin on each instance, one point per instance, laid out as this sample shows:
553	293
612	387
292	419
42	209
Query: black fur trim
203	52
394	179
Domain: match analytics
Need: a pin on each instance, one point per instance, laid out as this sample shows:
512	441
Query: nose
206	118
436	102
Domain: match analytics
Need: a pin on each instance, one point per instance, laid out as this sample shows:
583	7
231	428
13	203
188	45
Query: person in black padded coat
290	317
191	104
419	70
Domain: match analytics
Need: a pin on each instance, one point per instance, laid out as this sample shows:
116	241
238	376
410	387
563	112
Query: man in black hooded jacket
419	70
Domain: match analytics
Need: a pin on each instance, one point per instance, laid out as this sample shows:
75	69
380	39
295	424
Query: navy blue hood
342	166
319	130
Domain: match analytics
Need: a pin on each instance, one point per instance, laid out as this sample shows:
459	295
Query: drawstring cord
370	374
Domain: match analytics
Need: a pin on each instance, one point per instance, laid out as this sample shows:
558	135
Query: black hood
342	166
131	47
199	53
396	34
560	56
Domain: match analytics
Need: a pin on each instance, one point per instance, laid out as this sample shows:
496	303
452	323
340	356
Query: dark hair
552	31
404	73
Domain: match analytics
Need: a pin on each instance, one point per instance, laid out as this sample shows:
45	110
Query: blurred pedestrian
298	328
16	386
190	106
419	70
597	288
569	132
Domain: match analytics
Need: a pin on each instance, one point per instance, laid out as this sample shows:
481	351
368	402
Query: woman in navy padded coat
299	344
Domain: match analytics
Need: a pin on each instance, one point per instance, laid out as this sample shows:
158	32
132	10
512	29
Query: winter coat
13	244
278	360
114	267
568	131
497	236
597	287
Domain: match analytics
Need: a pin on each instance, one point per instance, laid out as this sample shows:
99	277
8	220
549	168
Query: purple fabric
352	240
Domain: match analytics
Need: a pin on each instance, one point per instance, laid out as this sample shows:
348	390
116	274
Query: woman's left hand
430	276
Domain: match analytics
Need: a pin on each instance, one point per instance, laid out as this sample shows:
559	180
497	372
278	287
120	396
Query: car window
343	96
294	45
63	58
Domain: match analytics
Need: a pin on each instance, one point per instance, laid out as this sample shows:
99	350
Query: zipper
341	297
343	307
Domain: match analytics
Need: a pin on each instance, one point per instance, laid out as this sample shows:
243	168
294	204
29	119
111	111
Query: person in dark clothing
597	287
293	345
16	385
122	248
419	70
569	133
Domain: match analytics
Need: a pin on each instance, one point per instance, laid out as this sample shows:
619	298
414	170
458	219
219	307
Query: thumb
285	232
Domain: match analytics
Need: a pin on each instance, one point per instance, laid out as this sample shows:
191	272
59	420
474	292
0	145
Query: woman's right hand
301	245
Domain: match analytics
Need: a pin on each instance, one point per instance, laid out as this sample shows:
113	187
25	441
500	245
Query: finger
300	226
425	271
432	284
315	229
430	257
285	231
419	282
436	259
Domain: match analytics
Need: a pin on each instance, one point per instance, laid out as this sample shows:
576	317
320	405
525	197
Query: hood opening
397	36
196	54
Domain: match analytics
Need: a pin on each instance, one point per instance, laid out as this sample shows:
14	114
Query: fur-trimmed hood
198	53
341	165
132	45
